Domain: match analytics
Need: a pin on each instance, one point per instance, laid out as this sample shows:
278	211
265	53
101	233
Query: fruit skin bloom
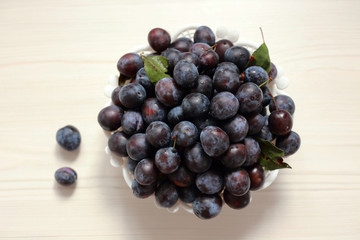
186	74
207	206
65	176
214	141
68	137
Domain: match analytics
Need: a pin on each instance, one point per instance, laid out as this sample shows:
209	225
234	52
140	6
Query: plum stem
173	149
269	80
262	34
213	47
273	100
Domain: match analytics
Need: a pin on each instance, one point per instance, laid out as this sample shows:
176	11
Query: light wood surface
55	59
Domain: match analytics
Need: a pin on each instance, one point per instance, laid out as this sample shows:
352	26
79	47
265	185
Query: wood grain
55	59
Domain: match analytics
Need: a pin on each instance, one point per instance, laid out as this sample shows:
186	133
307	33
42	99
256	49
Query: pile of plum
192	135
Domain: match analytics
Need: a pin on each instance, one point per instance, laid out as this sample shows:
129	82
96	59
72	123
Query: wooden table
55	59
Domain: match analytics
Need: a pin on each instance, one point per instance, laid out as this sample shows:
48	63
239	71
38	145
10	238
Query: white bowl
276	86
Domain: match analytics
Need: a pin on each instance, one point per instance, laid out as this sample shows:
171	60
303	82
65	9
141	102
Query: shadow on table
145	221
65	155
64	191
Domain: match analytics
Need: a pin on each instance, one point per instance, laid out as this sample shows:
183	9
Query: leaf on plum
271	157
155	67
260	58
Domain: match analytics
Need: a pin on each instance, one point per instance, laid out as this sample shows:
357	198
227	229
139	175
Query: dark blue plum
195	105
234	157
207	206
109	118
68	137
132	95
237	182
167	160
238	55
117	143
158	134
226	80
168	92
289	143
186	74
132	122
283	102
204	34
196	160
159	39
185	133
129	64
253	151
138	147
256	75
153	110
214	141
236	202
224	105
221	47
142	191
182	44
209	182
166	194
65	176
280	122
209	60
257	176
236	128
250	97
146	172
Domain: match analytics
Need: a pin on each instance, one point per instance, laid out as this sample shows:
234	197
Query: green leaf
155	67
260	58
271	157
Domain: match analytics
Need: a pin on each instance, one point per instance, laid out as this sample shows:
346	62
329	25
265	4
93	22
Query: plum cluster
191	136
